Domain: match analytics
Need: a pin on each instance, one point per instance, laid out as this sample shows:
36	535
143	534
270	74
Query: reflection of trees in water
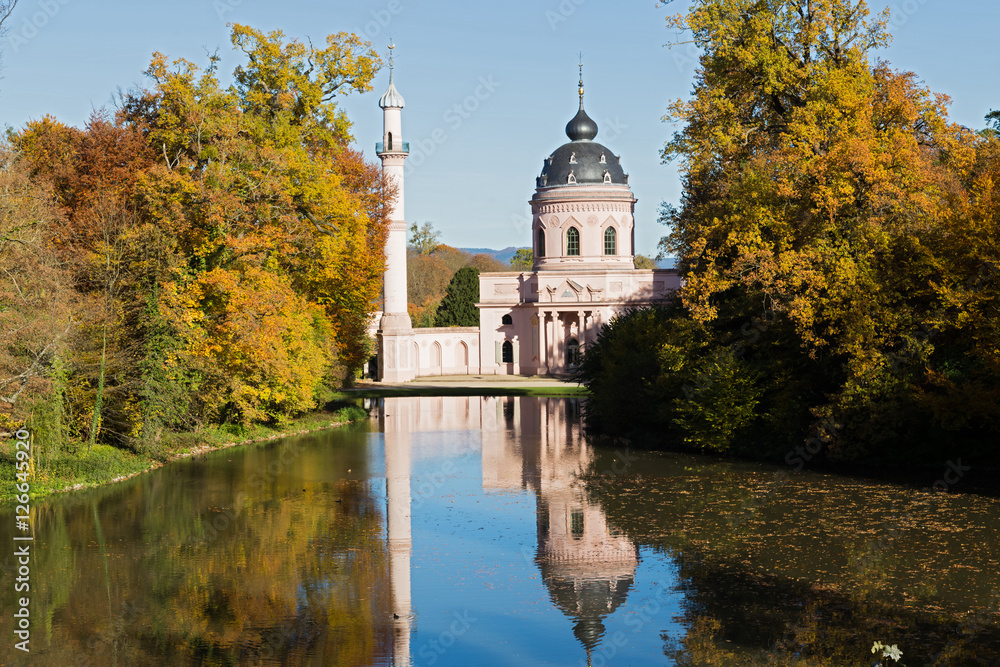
291	576
797	576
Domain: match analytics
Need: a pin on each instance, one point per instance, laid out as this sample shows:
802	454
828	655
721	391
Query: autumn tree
523	260
825	202
458	307
487	263
282	224
427	277
35	304
102	242
644	262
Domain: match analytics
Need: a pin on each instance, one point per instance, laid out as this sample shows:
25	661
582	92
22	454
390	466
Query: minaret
395	335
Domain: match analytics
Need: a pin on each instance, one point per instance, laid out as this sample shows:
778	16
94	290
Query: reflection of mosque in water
527	443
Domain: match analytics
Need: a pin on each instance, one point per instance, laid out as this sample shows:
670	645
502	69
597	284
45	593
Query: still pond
493	531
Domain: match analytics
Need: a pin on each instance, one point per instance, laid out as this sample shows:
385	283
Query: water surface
485	530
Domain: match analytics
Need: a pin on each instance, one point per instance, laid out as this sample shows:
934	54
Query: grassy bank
102	464
568	391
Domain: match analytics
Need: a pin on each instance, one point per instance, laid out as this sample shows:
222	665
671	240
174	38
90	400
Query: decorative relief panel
592	220
608	207
616	287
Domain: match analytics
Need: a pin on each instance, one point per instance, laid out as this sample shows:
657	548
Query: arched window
610	241
507	352
506	319
388	144
573	242
540	251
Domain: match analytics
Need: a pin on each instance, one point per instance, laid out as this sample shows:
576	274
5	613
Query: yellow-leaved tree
823	193
280	224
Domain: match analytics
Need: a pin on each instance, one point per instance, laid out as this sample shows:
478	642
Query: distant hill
504	255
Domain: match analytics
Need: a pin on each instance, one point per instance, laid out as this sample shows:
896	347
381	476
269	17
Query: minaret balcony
399	147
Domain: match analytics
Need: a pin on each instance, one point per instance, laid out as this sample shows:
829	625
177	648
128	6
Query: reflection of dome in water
587	601
587	568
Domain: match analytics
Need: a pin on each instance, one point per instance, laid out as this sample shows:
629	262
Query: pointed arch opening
610	241
540	250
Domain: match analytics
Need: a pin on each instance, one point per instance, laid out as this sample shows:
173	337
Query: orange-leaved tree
281	225
820	193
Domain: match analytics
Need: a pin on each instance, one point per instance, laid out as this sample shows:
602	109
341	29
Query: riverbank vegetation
201	256
838	238
74	466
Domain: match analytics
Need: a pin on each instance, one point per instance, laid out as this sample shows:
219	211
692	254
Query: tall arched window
573	242
610	241
507	352
540	251
388	144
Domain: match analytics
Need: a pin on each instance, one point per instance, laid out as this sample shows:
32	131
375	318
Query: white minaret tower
396	362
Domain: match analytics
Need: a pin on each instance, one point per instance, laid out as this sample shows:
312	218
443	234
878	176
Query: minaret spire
395	335
582	127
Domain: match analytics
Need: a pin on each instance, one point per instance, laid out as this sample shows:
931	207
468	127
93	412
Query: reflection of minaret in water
587	567
396	427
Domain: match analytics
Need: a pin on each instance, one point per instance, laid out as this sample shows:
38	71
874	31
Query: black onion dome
582	127
589	163
582	161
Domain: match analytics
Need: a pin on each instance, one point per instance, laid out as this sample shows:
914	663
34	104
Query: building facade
536	322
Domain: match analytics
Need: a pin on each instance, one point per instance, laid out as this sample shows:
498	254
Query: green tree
644	262
458	307
993	123
424	239
523	259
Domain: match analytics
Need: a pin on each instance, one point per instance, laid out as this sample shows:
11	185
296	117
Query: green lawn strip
568	391
103	464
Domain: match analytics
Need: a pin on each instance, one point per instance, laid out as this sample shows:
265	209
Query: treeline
430	269
198	255
839	239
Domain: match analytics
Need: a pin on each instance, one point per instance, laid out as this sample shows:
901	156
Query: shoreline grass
103	464
568	391
100	465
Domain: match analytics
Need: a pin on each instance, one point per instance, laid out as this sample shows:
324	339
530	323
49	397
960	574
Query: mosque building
535	322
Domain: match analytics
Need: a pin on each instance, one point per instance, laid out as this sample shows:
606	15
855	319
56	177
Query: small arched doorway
436	359
572	353
462	358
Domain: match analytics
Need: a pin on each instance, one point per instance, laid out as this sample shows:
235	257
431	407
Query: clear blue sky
474	185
